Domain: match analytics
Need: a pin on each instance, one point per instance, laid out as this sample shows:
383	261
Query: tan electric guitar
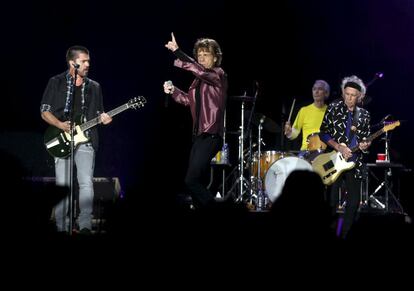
331	165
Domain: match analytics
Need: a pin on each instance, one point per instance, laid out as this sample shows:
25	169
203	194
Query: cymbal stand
241	178
241	182
261	198
249	165
236	191
223	171
250	150
260	201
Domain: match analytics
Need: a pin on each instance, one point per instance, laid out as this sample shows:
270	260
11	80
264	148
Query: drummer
309	120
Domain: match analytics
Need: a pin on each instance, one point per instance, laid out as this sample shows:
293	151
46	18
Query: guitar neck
369	139
91	123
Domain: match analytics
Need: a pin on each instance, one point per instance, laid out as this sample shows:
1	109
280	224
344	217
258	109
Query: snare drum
266	160
279	171
314	142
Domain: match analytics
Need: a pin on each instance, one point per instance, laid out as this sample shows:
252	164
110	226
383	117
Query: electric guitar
331	165
57	141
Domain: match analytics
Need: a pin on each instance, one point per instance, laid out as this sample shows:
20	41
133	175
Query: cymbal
267	123
243	98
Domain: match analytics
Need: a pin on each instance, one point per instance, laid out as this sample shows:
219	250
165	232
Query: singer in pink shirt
206	98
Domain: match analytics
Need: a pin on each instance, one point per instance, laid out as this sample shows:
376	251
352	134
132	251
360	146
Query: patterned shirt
336	123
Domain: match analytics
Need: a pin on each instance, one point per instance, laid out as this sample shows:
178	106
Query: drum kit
267	170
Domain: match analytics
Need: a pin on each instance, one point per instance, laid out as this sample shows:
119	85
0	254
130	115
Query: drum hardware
241	184
261	197
244	98
247	152
267	123
266	159
224	161
262	162
241	179
252	189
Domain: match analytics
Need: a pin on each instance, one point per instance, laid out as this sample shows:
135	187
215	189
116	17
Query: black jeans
205	147
352	199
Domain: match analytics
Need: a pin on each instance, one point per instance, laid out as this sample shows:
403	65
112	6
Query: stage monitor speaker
106	191
106	188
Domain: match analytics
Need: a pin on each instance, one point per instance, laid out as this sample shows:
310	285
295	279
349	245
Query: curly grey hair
356	80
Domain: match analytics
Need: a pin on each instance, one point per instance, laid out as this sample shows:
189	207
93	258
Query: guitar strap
70	91
353	128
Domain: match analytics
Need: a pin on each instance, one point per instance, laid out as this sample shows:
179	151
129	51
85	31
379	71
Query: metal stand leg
241	183
388	193
375	203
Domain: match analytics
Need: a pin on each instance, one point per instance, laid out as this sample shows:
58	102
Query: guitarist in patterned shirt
344	126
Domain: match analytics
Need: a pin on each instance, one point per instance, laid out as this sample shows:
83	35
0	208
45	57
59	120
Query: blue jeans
85	163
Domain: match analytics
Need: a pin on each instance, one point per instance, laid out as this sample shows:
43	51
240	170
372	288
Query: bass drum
266	160
279	171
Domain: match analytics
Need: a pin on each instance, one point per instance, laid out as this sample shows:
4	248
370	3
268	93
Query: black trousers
205	147
352	199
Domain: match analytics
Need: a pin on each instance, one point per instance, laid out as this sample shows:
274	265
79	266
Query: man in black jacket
65	97
345	126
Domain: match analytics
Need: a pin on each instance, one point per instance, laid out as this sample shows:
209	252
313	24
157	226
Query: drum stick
291	109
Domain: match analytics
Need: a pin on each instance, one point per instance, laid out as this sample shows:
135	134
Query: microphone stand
72	151
388	175
377	76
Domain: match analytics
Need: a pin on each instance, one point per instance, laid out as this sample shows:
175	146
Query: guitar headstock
391	126
137	102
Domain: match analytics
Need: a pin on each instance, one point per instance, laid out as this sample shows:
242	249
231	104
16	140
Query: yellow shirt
308	121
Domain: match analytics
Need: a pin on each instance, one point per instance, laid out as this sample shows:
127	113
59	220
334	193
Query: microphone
168	83
378	75
76	66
